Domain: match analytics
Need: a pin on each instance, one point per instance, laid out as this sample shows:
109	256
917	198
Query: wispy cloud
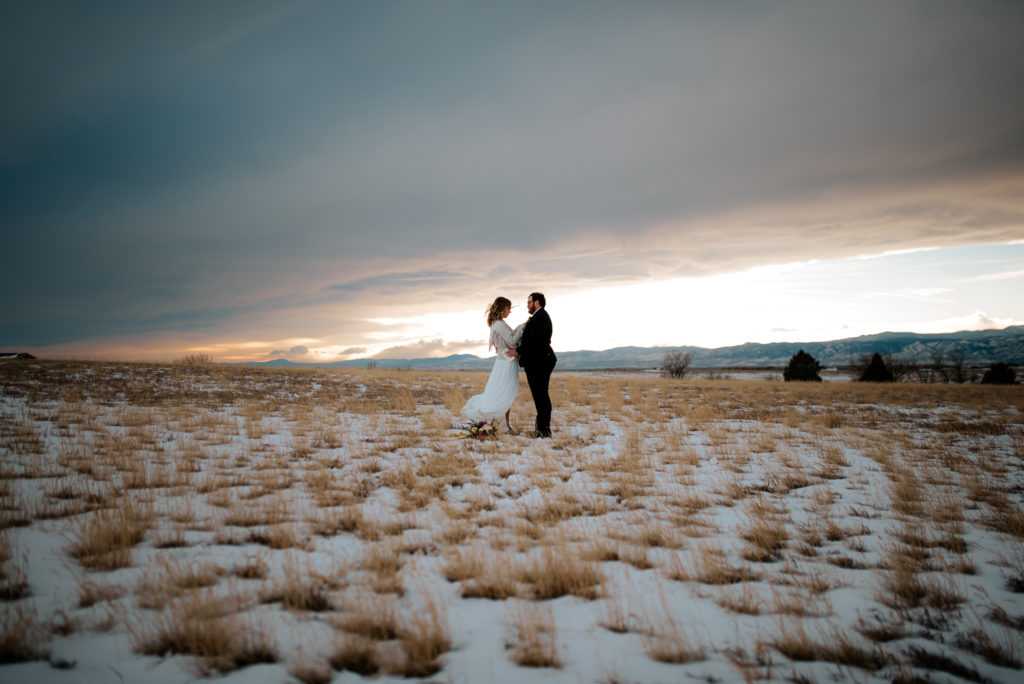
393	283
929	294
1005	275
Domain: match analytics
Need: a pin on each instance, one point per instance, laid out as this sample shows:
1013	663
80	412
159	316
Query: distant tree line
939	367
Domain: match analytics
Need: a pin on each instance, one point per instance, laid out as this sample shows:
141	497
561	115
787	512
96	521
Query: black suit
538	360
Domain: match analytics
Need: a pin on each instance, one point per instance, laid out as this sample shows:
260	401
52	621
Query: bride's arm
505	335
517	334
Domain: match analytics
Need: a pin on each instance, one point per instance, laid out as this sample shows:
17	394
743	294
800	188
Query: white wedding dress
503	384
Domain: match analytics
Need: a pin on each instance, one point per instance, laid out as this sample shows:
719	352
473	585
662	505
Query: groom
537	359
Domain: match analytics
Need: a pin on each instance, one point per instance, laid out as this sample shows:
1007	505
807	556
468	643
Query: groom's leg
542	399
535	380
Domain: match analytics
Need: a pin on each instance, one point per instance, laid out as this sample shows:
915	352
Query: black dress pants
538	375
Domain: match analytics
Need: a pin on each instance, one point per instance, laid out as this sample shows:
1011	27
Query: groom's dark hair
538	297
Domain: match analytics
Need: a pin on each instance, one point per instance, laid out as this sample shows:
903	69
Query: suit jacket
535	346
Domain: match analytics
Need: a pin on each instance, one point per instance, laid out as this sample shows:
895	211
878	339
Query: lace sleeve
517	334
503	337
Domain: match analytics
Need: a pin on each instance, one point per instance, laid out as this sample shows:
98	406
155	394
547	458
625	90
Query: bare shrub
195	359
675	363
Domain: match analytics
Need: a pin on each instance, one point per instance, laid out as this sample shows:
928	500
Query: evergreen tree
999	374
802	366
876	371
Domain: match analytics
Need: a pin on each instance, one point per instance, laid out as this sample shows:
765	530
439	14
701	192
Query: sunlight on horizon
918	290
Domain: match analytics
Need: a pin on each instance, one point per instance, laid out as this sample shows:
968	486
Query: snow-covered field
165	523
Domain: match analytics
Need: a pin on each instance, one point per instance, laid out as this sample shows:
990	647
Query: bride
503	383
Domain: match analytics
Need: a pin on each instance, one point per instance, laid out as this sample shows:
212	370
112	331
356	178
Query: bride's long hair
495	310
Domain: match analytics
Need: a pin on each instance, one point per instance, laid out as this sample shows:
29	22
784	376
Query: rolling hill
981	347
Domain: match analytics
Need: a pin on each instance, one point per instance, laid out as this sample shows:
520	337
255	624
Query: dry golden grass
310	670
208	628
996	644
667	637
557	573
424	635
484	574
300	588
765	531
254	567
708	565
172	579
813	490
532	635
22	635
356	654
743	599
384	561
104	540
368	616
621	610
832	646
13	571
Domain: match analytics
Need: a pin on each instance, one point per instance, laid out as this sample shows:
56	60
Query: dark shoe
541	434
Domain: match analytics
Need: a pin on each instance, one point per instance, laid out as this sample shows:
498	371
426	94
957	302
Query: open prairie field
161	523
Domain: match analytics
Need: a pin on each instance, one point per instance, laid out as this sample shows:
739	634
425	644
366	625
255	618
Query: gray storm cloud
202	166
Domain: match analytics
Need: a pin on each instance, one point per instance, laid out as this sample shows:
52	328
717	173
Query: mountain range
980	347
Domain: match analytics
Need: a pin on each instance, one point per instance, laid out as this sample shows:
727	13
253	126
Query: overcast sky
325	180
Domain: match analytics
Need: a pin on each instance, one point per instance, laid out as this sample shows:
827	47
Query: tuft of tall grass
22	635
559	573
533	638
104	540
207	628
425	636
833	645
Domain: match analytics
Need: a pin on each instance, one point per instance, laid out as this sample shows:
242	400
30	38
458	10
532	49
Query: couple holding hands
529	346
